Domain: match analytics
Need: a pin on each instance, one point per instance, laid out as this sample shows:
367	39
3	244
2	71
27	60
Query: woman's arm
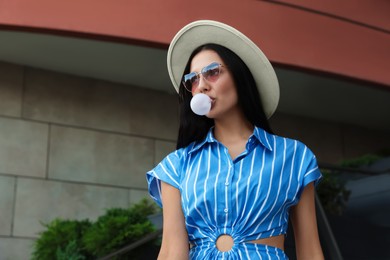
174	239
304	222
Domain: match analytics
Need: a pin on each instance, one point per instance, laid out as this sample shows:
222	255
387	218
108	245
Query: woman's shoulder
289	142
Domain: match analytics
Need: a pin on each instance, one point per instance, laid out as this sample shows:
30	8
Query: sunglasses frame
196	75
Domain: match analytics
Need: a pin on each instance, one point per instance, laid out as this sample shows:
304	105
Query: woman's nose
203	85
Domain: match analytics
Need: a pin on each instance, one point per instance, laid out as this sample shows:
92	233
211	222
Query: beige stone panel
98	157
162	149
71	100
323	138
12	248
7	187
361	141
42	201
11	86
23	147
153	113
135	196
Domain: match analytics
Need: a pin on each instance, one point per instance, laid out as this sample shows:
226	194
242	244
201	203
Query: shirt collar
263	136
260	134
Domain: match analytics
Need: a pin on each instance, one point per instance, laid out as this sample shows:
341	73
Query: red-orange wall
302	36
368	12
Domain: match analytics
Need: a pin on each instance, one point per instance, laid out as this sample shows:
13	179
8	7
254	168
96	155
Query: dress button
226	210
226	183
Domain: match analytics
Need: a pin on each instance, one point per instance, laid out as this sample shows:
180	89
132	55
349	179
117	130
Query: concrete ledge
11	85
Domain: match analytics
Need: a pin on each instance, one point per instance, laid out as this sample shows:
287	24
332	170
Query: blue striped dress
247	198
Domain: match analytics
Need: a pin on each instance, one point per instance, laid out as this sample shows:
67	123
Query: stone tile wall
331	142
71	147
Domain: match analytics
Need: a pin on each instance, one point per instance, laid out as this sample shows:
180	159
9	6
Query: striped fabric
247	198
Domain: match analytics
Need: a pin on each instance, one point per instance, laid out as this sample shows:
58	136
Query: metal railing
328	241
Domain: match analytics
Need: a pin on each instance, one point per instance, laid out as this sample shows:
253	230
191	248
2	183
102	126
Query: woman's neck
233	134
233	130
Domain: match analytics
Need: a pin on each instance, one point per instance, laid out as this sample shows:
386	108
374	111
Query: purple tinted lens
191	80
211	72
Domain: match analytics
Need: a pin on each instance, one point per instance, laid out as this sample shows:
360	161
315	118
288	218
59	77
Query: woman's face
222	91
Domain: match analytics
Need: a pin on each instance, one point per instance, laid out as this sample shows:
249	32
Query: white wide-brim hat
203	32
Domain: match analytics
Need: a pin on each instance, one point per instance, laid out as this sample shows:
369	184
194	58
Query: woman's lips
212	102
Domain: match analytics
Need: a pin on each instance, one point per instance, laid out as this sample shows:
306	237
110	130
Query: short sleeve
309	171
168	170
313	173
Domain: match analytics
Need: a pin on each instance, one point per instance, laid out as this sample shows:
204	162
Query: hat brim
203	32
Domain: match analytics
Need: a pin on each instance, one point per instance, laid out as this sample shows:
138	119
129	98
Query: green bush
84	240
71	252
364	160
58	237
119	227
332	193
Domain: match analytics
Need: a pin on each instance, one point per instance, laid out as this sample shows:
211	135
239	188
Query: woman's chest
228	187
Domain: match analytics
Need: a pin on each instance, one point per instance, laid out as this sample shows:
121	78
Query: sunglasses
210	73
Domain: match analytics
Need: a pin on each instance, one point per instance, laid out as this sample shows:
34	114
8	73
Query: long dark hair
193	127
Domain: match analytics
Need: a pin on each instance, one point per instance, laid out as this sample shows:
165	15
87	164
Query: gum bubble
200	104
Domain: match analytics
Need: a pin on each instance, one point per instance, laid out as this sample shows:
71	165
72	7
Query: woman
230	187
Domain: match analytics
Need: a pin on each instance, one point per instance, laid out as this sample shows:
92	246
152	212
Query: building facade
86	106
